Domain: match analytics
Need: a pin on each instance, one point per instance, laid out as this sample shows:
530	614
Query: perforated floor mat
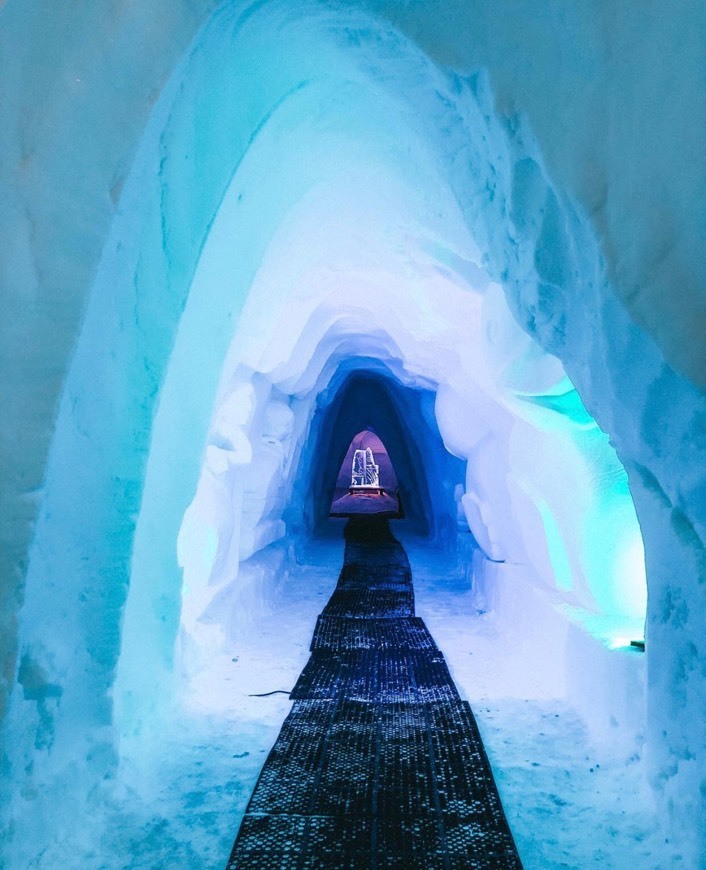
379	763
371	603
338	634
367	575
370	675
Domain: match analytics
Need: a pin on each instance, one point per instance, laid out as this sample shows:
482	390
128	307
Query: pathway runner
379	763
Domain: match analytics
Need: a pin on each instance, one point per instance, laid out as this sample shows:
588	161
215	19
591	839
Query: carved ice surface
365	472
306	194
372	471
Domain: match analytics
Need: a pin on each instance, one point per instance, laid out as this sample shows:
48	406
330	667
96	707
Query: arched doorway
366	482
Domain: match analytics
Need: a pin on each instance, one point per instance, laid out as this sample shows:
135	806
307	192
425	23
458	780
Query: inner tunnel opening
366	481
416	473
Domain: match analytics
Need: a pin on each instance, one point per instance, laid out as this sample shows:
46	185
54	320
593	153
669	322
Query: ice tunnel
239	235
403	421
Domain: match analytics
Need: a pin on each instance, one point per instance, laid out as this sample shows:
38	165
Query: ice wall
351	271
358	121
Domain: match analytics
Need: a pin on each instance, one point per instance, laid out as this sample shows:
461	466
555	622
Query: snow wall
319	191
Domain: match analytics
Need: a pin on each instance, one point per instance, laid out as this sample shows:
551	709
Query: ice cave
265	262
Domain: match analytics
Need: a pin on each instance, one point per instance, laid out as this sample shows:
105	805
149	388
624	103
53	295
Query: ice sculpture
365	473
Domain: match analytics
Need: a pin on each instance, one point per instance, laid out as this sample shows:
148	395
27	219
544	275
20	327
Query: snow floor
178	801
570	802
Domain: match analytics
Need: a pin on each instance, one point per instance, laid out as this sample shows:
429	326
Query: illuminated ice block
365	472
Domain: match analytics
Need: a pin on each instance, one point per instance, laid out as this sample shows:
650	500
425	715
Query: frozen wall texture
214	218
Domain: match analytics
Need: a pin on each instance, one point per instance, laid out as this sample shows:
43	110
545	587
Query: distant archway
364	395
366	482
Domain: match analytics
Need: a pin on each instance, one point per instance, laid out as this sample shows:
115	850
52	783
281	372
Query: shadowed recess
403	418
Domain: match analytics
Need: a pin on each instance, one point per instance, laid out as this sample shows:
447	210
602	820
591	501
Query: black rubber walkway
379	763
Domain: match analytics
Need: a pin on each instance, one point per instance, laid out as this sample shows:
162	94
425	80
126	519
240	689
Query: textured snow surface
575	796
181	788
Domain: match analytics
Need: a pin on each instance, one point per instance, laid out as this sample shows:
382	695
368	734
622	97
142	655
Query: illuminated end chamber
366	482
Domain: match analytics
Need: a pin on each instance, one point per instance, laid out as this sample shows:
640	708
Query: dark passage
379	763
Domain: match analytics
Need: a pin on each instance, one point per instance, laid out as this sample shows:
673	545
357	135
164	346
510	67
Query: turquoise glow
561	563
567	404
604	562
